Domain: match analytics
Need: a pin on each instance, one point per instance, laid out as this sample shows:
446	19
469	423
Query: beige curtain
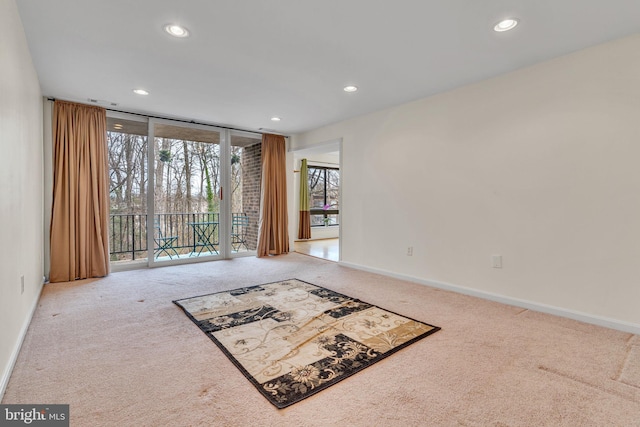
273	234
304	223
79	235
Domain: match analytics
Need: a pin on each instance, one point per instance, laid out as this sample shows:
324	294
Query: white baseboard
6	374
620	325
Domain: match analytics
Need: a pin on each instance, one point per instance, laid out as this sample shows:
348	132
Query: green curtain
304	224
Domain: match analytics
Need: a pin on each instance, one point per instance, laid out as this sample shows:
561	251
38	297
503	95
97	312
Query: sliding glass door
187	192
192	194
128	179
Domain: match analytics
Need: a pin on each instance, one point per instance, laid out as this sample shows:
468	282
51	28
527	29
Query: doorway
325	193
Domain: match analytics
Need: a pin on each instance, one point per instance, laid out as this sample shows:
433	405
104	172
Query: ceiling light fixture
176	30
505	25
117	126
140	92
275	119
350	88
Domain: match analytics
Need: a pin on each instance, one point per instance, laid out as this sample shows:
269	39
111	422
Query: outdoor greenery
187	177
324	194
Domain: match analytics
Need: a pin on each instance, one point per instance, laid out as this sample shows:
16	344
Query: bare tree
187	172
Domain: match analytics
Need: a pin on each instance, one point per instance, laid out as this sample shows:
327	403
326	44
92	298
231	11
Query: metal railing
128	232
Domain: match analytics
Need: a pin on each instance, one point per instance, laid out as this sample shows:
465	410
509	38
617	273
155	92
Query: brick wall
251	176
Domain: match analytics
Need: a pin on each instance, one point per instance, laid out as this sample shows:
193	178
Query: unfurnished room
304	213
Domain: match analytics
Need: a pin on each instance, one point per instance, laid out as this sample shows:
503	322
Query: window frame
319	211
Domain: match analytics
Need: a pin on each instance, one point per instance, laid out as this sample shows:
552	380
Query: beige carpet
121	353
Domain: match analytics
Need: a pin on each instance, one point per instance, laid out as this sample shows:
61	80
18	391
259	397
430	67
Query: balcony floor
142	262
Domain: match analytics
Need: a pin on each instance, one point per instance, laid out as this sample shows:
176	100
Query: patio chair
239	226
164	243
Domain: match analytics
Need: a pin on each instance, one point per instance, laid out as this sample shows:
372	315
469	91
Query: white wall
541	165
21	206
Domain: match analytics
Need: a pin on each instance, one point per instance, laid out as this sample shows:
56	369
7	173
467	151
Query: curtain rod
311	164
179	120
323	163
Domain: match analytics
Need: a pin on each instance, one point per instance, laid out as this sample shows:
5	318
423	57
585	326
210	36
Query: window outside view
324	194
186	191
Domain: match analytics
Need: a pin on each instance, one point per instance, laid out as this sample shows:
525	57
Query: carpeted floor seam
627	355
588	384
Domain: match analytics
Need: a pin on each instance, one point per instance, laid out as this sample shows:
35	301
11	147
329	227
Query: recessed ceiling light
275	119
176	30
505	25
140	92
350	88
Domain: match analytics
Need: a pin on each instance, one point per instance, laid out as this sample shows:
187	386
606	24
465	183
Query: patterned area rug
292	339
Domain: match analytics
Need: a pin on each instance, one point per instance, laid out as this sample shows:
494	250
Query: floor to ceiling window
192	194
128	176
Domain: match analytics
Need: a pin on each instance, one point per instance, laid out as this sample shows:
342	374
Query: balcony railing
128	233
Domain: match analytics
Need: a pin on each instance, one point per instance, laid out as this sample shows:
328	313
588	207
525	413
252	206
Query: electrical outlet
496	261
410	251
21	284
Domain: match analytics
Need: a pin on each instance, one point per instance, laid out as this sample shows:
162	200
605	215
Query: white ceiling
249	60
